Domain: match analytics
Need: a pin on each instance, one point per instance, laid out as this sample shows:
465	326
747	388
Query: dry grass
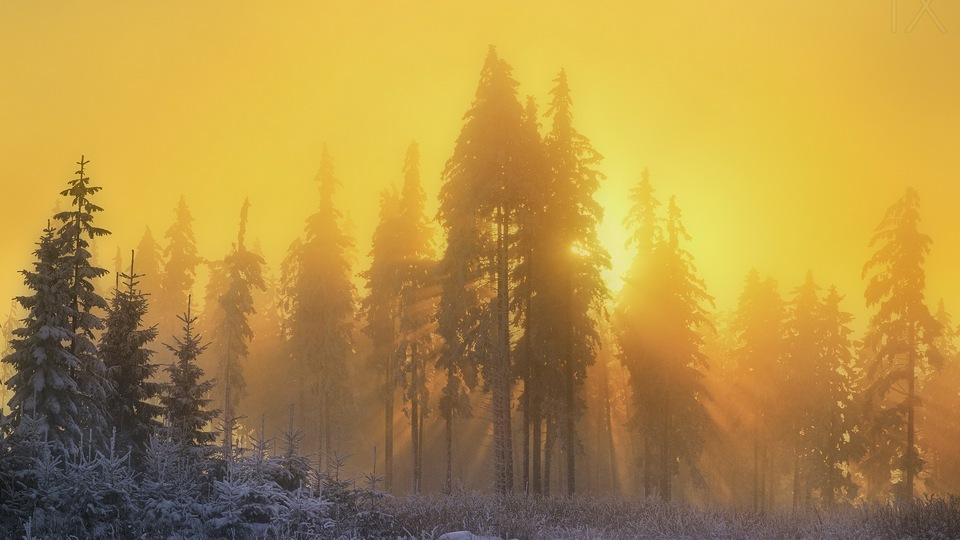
609	518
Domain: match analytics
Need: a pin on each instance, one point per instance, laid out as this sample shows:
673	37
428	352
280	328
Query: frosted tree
185	399
243	272
179	270
901	342
47	396
77	230
476	209
124	348
319	303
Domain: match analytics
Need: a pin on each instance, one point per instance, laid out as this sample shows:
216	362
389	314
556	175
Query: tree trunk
502	434
666	469
448	436
548	457
227	413
909	458
388	425
526	432
756	469
796	471
415	439
570	444
537	427
647	463
608	421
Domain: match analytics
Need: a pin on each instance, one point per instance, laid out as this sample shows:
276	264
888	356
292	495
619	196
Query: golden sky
784	128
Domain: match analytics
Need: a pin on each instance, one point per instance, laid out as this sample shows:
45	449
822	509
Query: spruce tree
150	264
476	211
320	309
839	440
46	393
819	359
179	270
380	308
185	398
576	257
132	404
636	314
417	305
76	231
661	317
758	326
243	270
534	349
900	344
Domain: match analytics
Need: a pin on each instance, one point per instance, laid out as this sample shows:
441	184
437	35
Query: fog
785	132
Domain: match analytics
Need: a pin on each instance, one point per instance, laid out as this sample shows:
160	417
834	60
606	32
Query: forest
481	350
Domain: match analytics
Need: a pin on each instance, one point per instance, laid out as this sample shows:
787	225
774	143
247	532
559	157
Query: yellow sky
784	128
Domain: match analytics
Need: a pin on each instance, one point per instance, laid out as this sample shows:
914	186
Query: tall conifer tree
576	257
320	310
185	398
76	232
476	211
901	342
44	385
243	272
123	347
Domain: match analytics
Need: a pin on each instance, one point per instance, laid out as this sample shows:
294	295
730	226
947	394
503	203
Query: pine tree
417	305
76	229
132	404
150	264
185	399
830	468
476	208
46	392
662	316
900	344
380	308
578	258
320	309
243	270
758	325
179	270
819	360
534	348
941	412
636	314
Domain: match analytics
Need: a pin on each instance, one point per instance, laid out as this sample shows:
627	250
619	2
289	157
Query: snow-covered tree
124	348
44	383
243	271
76	231
185	399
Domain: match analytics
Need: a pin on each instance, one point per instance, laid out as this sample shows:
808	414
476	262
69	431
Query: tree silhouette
900	341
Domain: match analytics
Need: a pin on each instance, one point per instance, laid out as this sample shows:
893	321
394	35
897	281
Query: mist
696	255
